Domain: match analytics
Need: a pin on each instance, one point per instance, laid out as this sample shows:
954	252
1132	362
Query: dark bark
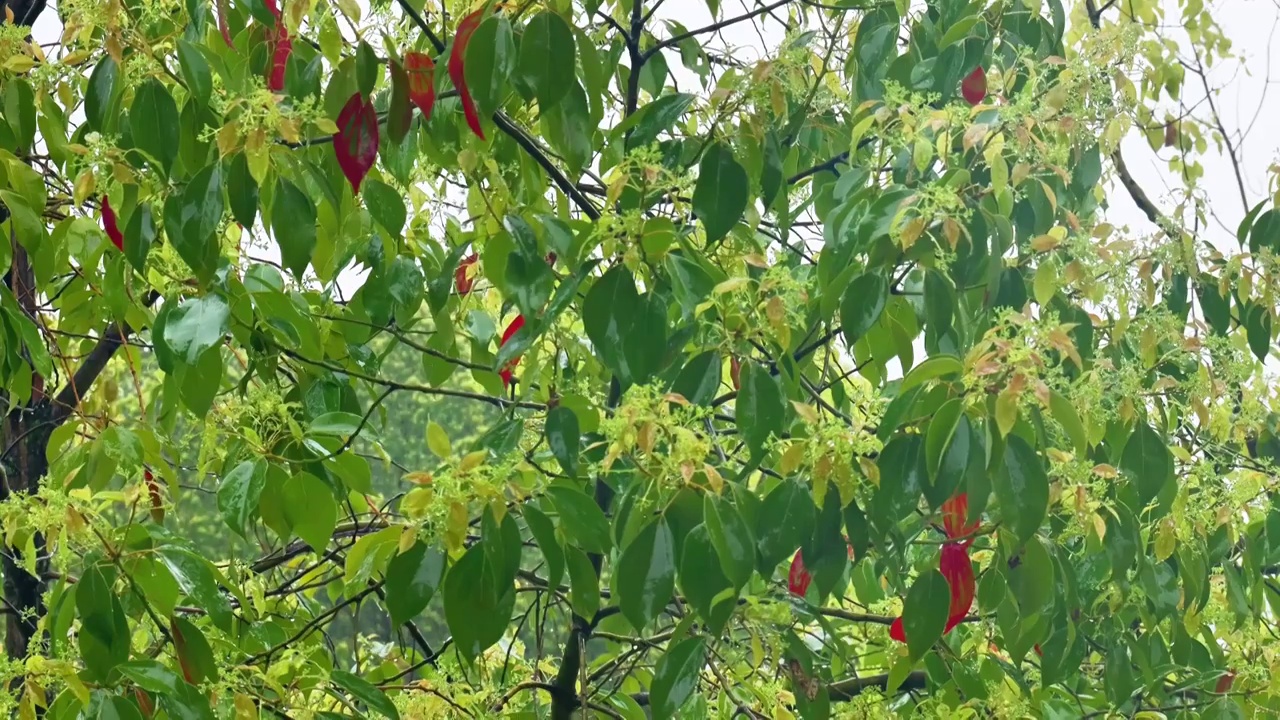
25	12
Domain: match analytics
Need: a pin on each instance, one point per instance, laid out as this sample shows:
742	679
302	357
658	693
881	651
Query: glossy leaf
547	58
646	574
675	676
720	196
293	222
412	579
458	72
1022	488
421	72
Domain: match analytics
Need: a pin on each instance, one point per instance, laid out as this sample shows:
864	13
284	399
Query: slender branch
512	129
94	363
713	27
851	688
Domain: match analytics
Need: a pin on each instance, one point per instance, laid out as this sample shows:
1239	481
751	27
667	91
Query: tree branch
94	363
512	129
848	689
713	27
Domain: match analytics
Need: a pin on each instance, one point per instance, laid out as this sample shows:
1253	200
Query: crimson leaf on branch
509	369
356	144
457	69
422	81
109	224
974	86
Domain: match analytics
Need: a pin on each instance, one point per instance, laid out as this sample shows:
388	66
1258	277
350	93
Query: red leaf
460	279
282	47
1038	650
457	73
356	144
958	571
798	578
157	498
1225	682
109	224
896	632
144	702
735	372
422	81
222	22
955	511
508	371
974	87
180	648
551	259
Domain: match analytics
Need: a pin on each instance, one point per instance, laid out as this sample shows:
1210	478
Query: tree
795	386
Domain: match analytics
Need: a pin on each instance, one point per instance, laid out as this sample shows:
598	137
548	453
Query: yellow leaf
327	126
1045	284
1166	539
408	536
1104	470
714	479
228	138
245	709
731	285
438	441
1006	410
85	185
912	232
1099	527
1044	243
472	460
806	412
19	63
792	458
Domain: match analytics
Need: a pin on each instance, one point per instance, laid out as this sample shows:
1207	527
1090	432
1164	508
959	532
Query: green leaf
584	584
703	581
676	676
547	58
238	494
646	574
116	708
191	221
947	448
412	578
196	578
720	196
139	236
99	95
385	204
151	676
477	604
1147	462
544	533
654	118
564	437
759	408
581	520
924	614
242	191
366	692
939	301
195	70
193	650
293	222
367	68
862	305
153	119
568	127
104	631
1022	488
699	380
195	326
490	60
310	509
628	331
731	537
934	367
1065	413
785	521
903	477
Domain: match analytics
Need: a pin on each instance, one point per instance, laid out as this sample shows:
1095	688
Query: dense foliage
551	359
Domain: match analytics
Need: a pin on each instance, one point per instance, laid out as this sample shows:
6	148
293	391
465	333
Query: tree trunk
25	441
